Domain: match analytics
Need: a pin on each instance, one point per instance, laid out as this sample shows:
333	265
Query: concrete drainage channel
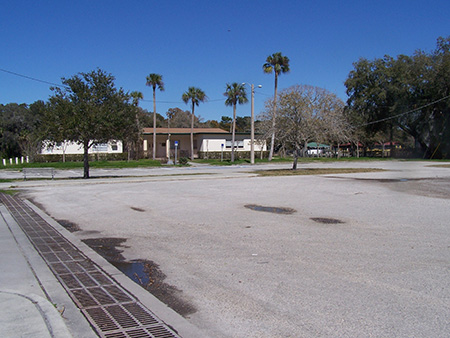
110	309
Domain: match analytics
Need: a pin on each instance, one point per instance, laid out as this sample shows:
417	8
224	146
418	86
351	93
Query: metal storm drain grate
109	308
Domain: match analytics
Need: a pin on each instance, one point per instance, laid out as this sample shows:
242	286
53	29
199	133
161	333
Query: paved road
383	271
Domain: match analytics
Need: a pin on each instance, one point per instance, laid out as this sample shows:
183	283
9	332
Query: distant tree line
406	98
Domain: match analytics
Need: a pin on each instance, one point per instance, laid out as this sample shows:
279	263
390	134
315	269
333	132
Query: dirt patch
144	272
429	187
315	171
439	165
72	227
326	220
275	210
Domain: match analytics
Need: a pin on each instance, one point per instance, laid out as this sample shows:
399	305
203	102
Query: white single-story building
70	148
316	149
206	140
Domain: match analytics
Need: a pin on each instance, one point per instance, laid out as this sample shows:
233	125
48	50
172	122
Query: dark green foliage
181	119
183	160
19	126
408	94
89	110
80	157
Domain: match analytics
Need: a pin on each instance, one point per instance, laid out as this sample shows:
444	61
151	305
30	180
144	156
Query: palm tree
195	95
278	64
155	80
235	94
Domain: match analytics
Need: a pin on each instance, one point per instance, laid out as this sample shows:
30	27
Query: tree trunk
305	148
294	165
86	159
138	143
274	118
233	133
391	139
154	123
192	133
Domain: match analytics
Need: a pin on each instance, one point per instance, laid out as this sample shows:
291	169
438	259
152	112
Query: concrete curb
42	280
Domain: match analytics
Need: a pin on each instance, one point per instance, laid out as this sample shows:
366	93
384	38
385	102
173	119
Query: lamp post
252	119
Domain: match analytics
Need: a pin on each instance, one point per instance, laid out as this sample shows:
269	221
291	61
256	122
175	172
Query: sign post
221	153
176	151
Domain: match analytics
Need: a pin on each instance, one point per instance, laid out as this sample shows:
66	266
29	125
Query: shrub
183	160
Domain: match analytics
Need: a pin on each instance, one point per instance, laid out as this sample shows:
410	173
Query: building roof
315	145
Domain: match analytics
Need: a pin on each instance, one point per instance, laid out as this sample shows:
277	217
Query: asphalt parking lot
361	255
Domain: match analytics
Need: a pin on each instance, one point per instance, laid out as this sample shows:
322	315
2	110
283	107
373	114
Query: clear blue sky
206	44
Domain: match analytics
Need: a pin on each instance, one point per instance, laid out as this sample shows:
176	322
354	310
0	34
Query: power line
264	94
406	113
33	78
62	85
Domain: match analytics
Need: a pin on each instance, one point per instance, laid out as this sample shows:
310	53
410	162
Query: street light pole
252	119
252	132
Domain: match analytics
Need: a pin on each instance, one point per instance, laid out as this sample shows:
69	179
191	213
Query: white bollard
28	159
4	162
17	160
10	161
21	160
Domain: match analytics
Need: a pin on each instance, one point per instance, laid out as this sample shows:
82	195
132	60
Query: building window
114	146
101	147
237	144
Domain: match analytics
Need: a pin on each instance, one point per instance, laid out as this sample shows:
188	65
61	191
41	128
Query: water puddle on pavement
143	272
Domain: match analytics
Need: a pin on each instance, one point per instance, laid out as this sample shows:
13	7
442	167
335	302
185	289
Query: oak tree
88	109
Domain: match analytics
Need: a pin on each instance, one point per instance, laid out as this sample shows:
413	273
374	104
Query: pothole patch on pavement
325	220
275	210
137	209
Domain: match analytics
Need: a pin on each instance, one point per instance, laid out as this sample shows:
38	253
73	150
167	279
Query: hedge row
50	158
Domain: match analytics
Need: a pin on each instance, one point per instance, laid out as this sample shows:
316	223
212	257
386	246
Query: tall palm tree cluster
235	93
